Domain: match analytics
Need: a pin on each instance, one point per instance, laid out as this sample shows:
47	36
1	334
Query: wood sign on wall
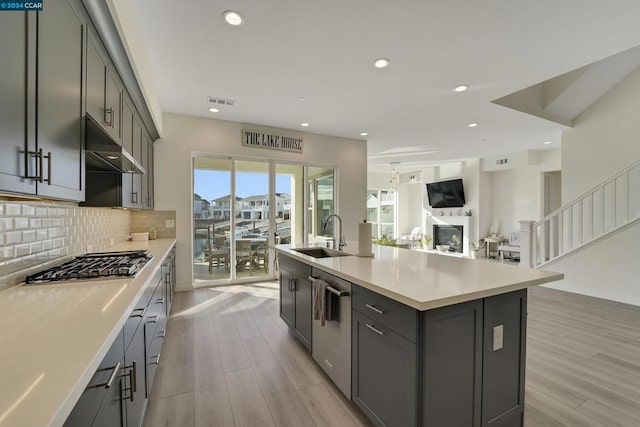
252	138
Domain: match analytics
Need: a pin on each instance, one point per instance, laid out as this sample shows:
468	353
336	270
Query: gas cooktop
101	265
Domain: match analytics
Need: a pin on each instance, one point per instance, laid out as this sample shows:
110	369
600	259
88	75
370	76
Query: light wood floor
228	360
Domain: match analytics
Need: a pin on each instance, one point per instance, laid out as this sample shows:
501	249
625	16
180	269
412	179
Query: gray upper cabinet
15	162
128	112
97	75
104	89
60	128
42	129
150	173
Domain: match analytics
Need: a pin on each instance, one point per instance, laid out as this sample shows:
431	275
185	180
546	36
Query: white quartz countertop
425	280
54	336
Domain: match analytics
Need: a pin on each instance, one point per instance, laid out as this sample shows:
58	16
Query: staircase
608	208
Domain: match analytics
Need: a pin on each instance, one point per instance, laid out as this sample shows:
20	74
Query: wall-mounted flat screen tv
446	194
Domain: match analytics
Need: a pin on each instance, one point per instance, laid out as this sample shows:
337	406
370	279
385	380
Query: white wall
516	193
186	134
604	140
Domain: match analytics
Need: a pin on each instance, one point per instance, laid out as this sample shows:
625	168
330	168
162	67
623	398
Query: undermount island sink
320	252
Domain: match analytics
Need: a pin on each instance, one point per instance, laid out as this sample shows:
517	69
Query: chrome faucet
342	243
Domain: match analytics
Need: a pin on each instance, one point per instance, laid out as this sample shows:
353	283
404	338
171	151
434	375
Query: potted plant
476	248
427	240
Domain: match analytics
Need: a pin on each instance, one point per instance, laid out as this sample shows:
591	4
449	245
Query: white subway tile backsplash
35	247
12	237
13	209
20	223
7	252
36	235
29	235
22	250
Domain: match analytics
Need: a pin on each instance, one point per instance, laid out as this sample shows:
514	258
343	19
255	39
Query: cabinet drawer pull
376	330
157	361
329	365
141	315
108	111
112	377
153	319
294	284
374	308
160	300
162	334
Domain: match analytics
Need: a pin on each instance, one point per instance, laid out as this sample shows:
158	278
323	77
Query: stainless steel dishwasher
331	343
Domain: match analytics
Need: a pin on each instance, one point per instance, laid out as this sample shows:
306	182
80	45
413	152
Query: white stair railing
608	207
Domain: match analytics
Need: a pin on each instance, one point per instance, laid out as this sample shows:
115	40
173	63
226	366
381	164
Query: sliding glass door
243	207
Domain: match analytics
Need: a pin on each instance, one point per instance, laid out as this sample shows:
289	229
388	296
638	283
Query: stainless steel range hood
103	154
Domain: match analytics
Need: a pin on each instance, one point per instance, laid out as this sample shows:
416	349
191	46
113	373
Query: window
381	212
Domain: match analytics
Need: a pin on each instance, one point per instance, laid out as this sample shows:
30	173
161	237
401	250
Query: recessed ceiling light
461	88
472	125
214	110
233	18
363	134
304	124
548	142
381	63
301	98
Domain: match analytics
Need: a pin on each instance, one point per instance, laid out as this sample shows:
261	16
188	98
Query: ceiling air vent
220	101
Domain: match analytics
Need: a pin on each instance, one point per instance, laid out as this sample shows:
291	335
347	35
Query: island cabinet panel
394	315
384	373
286	297
452	366
503	372
295	298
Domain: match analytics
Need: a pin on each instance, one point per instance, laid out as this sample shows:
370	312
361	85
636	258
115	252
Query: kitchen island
432	340
56	335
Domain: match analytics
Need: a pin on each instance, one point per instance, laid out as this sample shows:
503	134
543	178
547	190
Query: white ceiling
324	51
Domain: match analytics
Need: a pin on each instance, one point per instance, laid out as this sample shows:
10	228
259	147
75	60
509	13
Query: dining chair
244	254
262	254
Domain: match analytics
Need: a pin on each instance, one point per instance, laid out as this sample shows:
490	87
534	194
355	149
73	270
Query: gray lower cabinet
119	391
452	367
295	298
102	399
503	374
465	368
384	373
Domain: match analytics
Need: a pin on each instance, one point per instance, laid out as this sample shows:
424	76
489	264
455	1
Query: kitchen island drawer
394	315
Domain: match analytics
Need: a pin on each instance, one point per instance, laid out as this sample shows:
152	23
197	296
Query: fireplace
450	235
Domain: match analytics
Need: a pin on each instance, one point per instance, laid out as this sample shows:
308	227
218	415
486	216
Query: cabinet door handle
132	381
376	330
112	377
153	319
162	334
28	155
160	300
329	365
289	279
374	308
141	315
40	176
108	111
157	361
